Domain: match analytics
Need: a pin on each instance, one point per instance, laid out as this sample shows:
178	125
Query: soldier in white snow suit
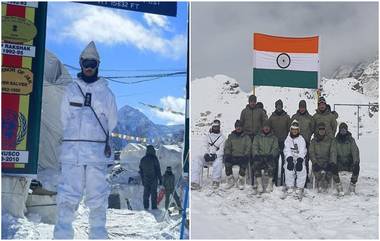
295	152
84	152
213	146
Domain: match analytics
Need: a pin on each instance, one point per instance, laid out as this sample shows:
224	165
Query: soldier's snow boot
351	188
215	184
260	188
299	193
270	185
339	189
230	182
241	182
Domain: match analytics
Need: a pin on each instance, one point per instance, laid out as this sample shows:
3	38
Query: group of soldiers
259	142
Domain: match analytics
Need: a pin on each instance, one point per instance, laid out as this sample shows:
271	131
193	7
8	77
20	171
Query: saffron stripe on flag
263	42
289	78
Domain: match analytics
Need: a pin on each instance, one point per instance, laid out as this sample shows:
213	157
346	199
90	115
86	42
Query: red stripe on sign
12	61
7	165
18	11
9	120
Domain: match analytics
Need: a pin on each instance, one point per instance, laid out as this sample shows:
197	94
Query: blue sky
129	43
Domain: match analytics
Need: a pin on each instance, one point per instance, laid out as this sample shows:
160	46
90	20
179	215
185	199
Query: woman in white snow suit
150	172
237	151
88	115
213	147
295	152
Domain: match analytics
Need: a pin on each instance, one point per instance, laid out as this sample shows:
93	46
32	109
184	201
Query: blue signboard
161	8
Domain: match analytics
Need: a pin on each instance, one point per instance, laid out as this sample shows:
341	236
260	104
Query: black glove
290	165
299	164
209	157
316	167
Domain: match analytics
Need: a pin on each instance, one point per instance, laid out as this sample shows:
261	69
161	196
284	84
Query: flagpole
319	71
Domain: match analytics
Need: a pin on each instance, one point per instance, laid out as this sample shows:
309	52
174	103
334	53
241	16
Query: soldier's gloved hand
290	165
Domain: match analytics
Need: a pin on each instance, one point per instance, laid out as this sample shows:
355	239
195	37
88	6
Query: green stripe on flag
285	78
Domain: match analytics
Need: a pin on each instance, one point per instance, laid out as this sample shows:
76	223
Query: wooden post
254	90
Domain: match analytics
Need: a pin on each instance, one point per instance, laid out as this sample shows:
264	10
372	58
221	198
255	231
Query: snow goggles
90	63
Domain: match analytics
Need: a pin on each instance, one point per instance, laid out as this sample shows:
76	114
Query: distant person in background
252	118
150	172
168	182
237	151
306	125
324	115
212	155
260	105
88	115
328	107
279	122
347	154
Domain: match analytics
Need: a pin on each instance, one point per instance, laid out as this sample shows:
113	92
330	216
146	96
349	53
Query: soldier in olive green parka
264	152
279	123
237	151
252	118
323	155
324	115
347	154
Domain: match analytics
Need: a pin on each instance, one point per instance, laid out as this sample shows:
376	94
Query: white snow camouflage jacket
217	147
295	147
79	122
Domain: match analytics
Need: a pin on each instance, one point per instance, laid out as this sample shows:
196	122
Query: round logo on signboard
283	60
17	30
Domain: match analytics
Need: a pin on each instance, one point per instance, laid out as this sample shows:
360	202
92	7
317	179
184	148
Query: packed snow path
234	213
121	224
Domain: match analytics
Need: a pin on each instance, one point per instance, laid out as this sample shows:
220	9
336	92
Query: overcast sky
221	33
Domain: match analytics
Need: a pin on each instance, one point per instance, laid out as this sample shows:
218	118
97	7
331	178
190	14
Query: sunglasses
90	63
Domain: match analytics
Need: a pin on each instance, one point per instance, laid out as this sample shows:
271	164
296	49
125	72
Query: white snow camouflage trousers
198	163
77	181
295	177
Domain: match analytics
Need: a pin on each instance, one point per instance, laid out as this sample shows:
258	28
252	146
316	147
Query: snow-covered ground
121	224
237	214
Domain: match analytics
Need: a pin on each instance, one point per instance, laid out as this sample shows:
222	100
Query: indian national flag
284	61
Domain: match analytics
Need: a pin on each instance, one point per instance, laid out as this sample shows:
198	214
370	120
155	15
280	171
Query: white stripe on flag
298	61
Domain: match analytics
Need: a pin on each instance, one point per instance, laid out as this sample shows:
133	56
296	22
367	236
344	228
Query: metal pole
358	121
185	201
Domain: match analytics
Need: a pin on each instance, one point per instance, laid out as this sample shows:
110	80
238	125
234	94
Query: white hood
90	52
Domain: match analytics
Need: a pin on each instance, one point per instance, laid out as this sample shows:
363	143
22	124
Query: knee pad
290	165
316	167
299	164
356	169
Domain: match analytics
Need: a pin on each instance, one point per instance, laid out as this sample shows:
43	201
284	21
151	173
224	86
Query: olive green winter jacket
237	145
168	181
322	150
306	123
252	119
280	124
265	145
330	122
347	152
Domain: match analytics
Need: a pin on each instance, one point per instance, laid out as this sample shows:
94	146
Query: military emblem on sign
283	60
13	127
